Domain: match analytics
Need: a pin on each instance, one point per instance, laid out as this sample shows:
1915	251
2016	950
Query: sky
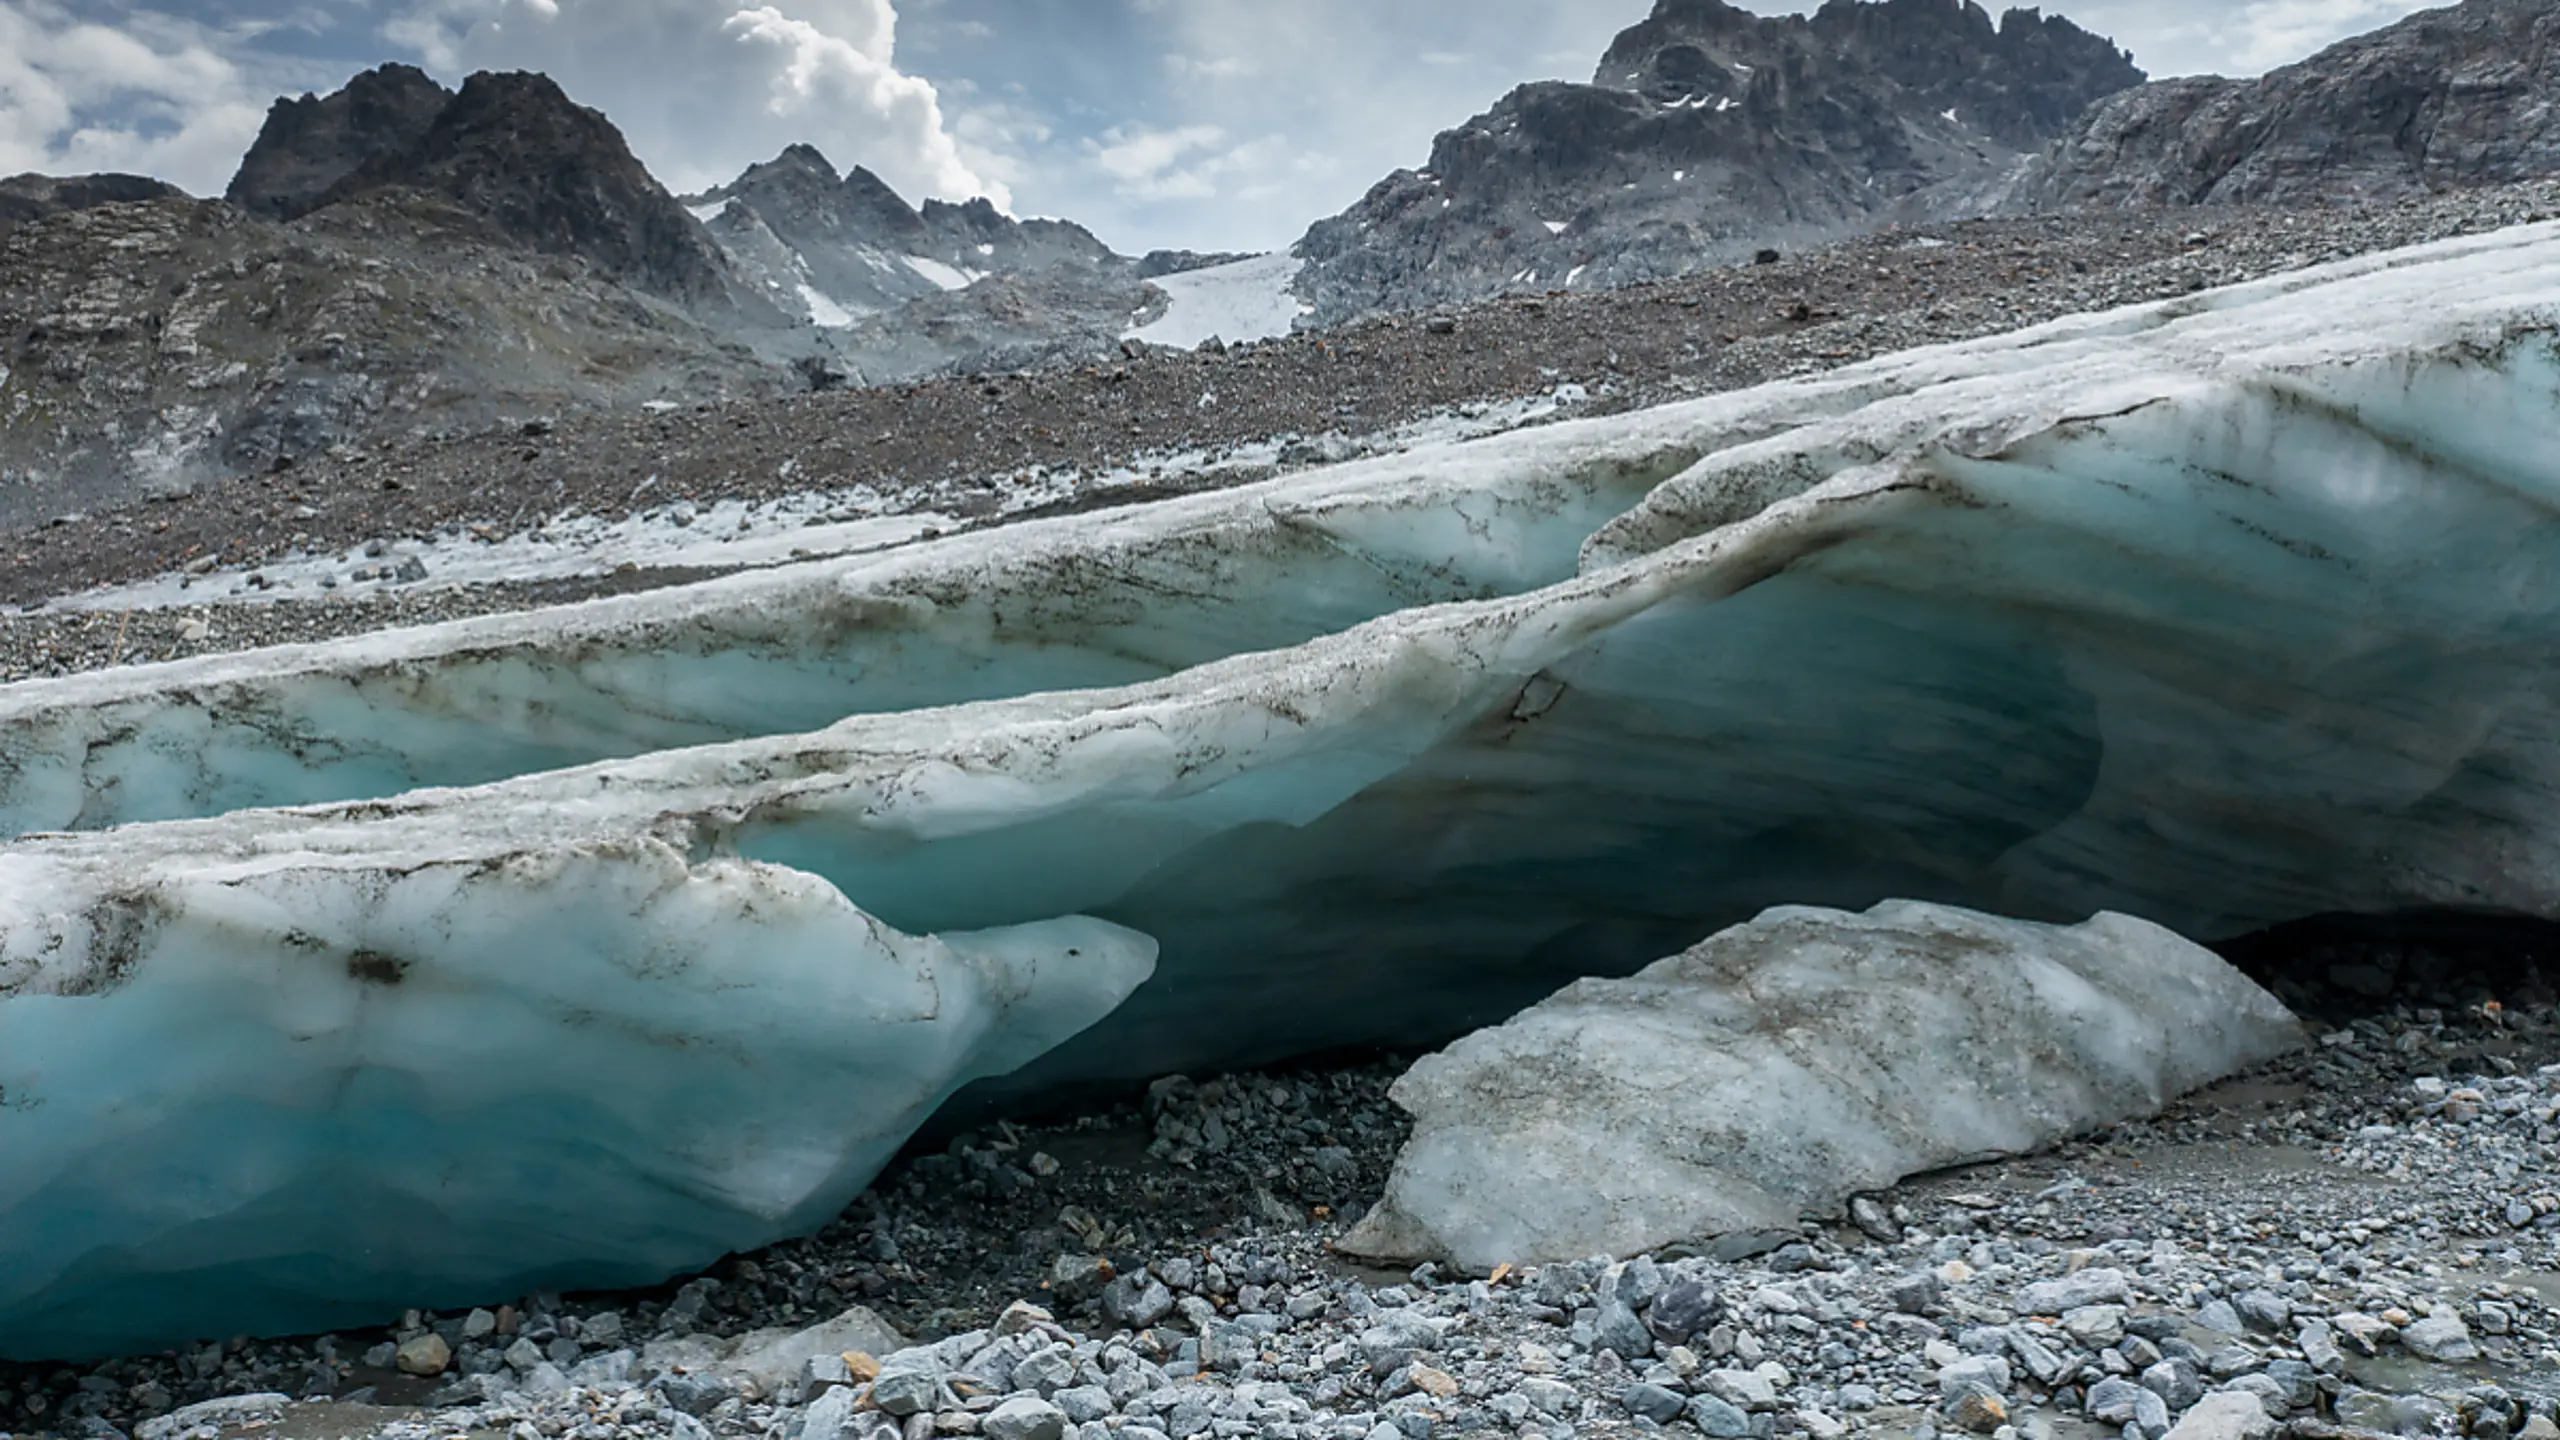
1202	124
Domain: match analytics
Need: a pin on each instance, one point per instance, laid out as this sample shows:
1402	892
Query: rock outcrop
2464	95
1709	133
162	346
1774	1070
555	177
24	198
311	144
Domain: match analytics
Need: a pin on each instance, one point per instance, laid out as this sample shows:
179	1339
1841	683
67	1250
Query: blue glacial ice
2219	613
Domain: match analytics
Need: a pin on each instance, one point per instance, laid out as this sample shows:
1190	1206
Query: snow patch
823	310
940	274
1241	300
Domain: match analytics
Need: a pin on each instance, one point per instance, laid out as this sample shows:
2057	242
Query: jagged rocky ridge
2143	610
2465	95
415	261
1708	133
33	197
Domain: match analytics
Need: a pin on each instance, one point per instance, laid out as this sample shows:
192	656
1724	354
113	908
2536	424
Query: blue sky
1213	124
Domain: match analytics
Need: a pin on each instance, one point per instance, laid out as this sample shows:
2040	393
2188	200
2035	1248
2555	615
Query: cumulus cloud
704	88
154	95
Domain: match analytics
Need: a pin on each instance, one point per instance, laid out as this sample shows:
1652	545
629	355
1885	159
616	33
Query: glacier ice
2219	612
282	1093
1781	1066
1096	600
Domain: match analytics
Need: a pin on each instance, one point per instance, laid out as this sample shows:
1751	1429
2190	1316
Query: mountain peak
309	145
1708	133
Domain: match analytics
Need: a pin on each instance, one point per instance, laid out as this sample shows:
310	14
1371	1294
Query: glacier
1784	1065
2218	612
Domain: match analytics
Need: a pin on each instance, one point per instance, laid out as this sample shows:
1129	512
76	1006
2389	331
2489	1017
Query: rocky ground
2363	1239
1162	419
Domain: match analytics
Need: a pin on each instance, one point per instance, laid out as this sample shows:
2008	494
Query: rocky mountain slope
397	261
309	145
156	348
1708	133
33	197
2465	95
511	149
835	247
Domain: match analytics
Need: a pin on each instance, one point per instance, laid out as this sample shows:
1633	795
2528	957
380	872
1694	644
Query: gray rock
2263	1311
1917	1293
2269	1392
2095	1325
1083	1403
2441	1338
2041	1361
1076	1278
1620	1329
828	1417
1684	1308
2320	1347
2225	1415
696	1394
1048	1369
2220	1317
1136	1301
2296	1381
1653	1402
2080	1289
910	1382
1024	1418
2176	1381
2113	1400
771	1359
1719	1420
1974	1372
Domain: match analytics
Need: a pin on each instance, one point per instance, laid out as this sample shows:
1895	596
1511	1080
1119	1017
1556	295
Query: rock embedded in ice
1782	1065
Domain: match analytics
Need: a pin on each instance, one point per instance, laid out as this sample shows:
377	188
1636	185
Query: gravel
2363	1237
946	446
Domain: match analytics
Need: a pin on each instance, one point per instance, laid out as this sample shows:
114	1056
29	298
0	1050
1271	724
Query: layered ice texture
2219	612
1786	1064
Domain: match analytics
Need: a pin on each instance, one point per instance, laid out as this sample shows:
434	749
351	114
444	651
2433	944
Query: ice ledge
1120	597
372	1086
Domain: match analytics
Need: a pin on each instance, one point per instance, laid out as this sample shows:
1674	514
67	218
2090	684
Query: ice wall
1104	599
2217	613
283	1093
1089	601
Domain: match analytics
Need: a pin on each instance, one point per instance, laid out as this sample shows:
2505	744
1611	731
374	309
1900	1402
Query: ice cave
2145	611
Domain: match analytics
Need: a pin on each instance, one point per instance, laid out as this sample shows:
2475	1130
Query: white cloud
155	96
703	88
